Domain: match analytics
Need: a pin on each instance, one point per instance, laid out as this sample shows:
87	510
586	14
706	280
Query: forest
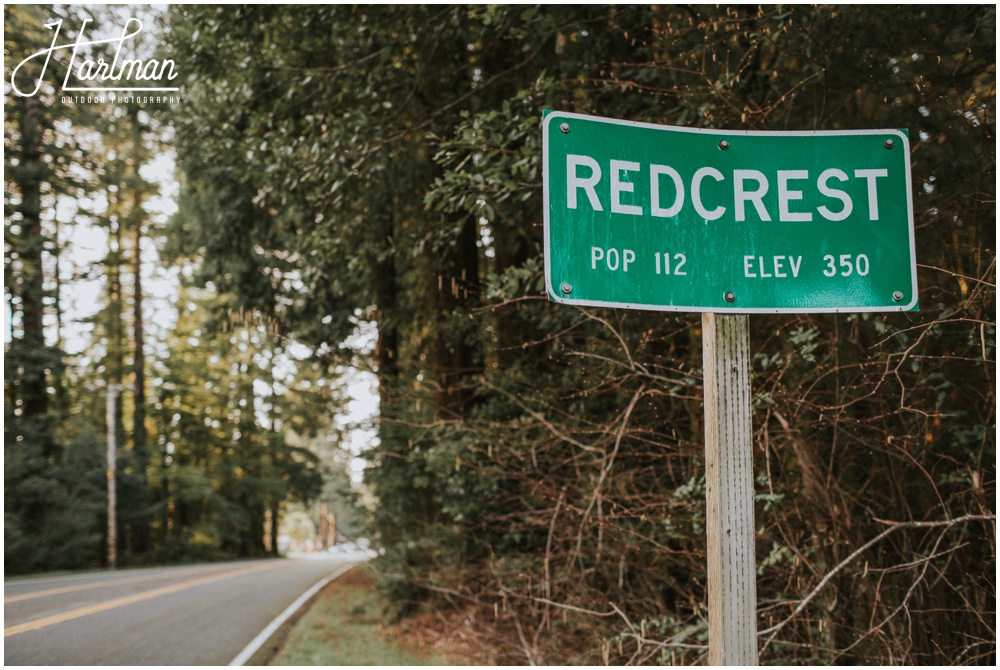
360	189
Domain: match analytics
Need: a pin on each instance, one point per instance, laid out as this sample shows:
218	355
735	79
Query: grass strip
343	628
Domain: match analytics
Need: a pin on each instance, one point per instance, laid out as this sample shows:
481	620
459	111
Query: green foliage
186	489
344	628
53	513
52	475
544	462
224	468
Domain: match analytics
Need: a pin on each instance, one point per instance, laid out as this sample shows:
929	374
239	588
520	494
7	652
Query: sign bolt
897	296
564	127
889	144
730	296
723	144
566	288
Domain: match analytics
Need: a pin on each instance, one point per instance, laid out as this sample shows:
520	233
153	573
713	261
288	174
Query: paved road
192	615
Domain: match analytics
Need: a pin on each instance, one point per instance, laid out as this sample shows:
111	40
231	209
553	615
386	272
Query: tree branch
893	527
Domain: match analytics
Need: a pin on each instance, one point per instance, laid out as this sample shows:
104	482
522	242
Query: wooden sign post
732	587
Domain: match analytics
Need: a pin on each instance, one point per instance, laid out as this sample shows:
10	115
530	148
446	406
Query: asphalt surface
192	615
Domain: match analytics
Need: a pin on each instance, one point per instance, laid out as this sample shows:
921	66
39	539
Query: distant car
360	547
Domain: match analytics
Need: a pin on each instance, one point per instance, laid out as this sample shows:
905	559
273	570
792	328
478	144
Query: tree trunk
116	344
454	355
139	436
275	518
387	345
32	392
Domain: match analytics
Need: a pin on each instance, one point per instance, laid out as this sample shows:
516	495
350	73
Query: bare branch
893	527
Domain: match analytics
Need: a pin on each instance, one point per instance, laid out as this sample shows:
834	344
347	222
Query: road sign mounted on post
640	216
644	216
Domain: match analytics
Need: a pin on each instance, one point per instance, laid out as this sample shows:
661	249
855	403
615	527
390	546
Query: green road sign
644	216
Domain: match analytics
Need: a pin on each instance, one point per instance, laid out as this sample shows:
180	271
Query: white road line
264	635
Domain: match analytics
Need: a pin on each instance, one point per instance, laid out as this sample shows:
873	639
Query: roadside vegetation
541	467
346	625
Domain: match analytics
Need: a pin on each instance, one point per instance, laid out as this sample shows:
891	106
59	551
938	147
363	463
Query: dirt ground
450	635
